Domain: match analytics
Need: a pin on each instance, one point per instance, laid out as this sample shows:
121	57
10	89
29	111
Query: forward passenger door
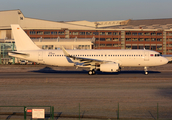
146	55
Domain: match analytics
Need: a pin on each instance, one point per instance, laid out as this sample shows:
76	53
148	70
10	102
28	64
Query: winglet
65	52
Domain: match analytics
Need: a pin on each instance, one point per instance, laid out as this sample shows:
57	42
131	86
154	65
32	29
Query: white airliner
103	60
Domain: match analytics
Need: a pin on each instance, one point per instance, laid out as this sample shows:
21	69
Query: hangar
154	34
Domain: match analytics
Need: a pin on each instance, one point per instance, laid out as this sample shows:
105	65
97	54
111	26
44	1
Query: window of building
108	33
61	33
159	39
47	47
54	33
140	39
44	46
170	39
159	34
153	47
128	39
147	46
116	33
79	46
88	33
81	33
39	32
95	33
32	32
128	33
108	45
134	33
141	46
21	18
96	45
170	34
147	33
47	33
134	39
115	39
108	39
128	46
102	33
170	45
153	34
140	33
159	47
75	33
147	39
102	39
115	45
32	38
170	51
153	39
97	39
134	46
102	45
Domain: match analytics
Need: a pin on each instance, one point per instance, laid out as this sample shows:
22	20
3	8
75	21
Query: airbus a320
102	60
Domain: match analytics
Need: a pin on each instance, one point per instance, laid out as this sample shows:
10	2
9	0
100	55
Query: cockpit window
156	55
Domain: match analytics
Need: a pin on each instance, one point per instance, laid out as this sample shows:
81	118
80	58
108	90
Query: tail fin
22	40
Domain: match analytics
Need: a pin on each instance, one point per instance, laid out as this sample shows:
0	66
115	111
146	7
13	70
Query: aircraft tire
90	72
94	72
146	73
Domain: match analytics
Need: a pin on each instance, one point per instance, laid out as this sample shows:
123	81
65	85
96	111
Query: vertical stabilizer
22	40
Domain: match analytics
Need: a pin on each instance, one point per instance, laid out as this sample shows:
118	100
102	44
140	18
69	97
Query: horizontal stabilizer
17	53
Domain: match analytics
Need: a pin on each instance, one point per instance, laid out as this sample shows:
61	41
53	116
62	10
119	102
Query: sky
90	10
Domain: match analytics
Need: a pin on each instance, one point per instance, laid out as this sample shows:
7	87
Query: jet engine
109	67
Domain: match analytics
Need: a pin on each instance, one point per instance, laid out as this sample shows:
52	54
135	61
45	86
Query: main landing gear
92	72
146	70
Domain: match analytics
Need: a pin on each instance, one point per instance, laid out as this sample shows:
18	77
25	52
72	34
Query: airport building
153	34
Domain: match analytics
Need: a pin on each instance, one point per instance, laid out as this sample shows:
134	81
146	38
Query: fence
155	112
9	110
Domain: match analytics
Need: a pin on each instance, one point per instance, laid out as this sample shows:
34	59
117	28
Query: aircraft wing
85	61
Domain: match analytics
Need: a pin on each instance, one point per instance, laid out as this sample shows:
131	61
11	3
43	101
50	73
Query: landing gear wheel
91	72
146	73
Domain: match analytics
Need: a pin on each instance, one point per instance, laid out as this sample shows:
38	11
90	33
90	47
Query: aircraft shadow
50	70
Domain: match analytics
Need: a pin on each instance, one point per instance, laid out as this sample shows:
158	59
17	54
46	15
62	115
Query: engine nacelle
109	67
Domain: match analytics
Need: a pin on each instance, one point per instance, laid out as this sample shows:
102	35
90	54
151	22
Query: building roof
16	17
149	22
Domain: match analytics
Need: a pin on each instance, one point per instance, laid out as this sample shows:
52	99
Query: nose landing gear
146	71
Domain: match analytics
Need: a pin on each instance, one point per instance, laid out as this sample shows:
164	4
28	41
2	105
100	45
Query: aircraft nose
165	60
